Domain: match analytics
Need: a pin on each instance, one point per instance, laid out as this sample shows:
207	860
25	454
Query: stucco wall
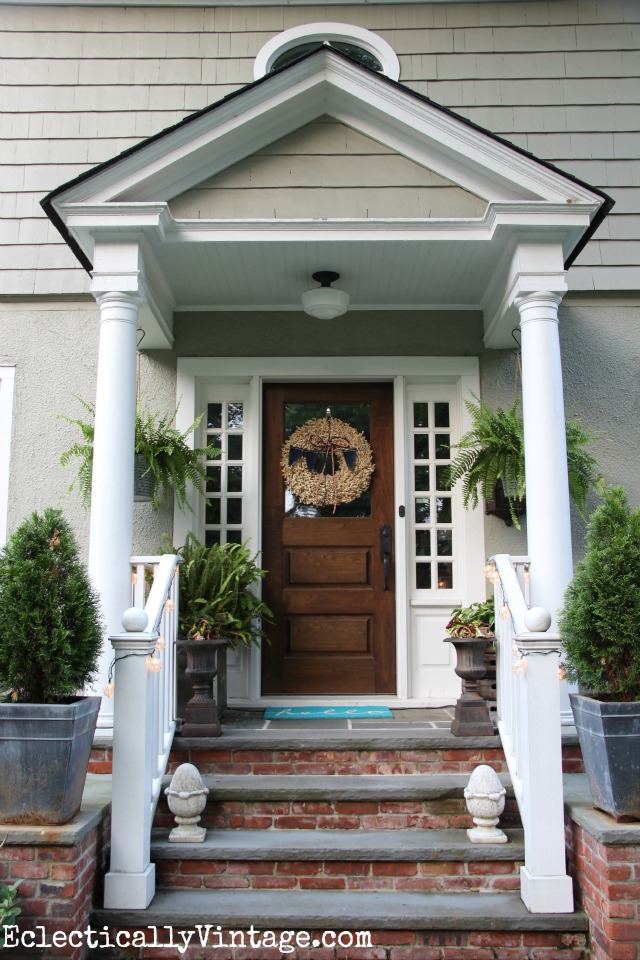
55	353
600	352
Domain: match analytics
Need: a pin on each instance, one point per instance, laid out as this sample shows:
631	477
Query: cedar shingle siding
81	84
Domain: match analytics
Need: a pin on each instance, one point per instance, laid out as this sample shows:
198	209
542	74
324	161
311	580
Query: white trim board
7	384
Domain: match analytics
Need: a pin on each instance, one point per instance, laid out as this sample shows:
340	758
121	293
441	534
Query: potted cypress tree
50	639
600	630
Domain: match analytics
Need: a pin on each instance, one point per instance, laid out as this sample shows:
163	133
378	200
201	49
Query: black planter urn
472	717
206	661
609	734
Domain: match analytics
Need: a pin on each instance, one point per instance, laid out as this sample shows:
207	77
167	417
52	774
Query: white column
111	526
548	519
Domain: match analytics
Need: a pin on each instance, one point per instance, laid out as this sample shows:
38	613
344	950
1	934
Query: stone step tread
372	787
318	739
337	845
339	910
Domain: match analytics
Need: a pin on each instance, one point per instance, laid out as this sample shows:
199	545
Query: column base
546	894
132	891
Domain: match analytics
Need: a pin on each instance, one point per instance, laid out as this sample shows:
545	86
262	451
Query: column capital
539	305
119	307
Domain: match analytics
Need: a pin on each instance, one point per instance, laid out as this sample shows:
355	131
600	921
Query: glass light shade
325	303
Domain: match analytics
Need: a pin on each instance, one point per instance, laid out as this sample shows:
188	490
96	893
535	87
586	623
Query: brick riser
394	945
485	876
336	762
344	763
337	815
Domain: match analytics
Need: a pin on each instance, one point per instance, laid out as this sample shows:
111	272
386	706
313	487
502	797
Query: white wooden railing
144	678
529	726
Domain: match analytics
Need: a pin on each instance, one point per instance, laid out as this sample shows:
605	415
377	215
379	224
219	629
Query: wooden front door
331	593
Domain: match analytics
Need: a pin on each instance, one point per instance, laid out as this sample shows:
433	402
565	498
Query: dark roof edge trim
47	202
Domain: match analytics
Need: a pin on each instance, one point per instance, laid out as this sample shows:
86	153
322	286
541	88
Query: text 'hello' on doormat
328	713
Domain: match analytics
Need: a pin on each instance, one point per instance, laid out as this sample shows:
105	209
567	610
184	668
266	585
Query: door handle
386	535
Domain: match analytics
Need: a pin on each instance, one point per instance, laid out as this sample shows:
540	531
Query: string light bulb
489	570
169	605
562	673
108	689
154	664
504	612
161	643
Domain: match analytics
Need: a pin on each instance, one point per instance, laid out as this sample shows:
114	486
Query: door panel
334	629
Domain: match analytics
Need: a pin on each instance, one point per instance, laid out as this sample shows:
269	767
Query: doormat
327	713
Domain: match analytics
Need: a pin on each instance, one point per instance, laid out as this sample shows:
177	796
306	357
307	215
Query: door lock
386	539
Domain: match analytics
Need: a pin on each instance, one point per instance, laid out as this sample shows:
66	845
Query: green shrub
600	621
9	908
50	628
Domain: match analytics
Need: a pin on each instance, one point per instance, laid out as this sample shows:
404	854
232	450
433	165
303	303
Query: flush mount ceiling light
325	302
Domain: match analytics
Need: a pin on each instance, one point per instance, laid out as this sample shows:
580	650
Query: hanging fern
170	461
493	451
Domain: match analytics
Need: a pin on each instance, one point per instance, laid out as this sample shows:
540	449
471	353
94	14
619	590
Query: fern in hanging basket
169	461
493	451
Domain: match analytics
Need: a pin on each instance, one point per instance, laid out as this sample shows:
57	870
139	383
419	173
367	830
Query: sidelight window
225	484
434	538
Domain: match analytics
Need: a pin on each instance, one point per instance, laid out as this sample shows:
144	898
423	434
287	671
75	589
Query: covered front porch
457	231
211	231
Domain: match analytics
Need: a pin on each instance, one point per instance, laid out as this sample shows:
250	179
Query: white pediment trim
324	82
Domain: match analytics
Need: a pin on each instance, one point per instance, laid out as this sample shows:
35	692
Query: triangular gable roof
323	81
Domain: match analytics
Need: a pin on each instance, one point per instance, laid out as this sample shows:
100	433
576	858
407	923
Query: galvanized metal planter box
44	755
609	736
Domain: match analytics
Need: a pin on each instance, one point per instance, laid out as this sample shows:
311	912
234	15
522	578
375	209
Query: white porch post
111	525
545	446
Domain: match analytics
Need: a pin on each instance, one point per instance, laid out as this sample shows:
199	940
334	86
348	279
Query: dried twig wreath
326	461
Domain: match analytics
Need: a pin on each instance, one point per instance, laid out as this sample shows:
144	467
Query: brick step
381	845
401	925
341	860
341	753
336	802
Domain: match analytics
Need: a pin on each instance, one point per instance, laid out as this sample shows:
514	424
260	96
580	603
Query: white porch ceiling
376	275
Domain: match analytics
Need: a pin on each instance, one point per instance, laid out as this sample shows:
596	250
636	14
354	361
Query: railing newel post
530	730
144	723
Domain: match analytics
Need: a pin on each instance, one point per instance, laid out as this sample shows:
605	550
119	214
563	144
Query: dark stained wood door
334	630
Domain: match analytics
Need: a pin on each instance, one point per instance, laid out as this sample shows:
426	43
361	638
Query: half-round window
361	45
352	50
